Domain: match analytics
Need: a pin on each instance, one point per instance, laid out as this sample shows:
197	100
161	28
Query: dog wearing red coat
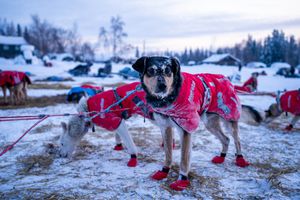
114	120
289	102
16	83
249	86
180	100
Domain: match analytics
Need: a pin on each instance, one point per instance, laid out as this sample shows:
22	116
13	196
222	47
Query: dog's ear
175	65
140	64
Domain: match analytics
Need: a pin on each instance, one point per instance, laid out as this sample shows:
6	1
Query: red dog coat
202	93
112	119
290	102
12	78
249	86
97	88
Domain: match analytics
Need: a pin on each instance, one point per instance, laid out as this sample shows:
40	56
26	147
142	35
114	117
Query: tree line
274	48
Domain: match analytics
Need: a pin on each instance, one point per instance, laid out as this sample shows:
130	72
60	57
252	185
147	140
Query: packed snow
96	171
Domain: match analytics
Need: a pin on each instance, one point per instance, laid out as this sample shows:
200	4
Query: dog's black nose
162	87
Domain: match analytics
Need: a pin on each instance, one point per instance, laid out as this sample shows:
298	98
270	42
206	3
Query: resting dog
16	83
288	102
179	99
78	126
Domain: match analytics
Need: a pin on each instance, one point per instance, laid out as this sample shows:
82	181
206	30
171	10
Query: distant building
10	47
222	59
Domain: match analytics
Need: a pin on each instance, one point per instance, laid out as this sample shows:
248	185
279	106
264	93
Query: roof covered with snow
11	40
256	65
218	57
278	65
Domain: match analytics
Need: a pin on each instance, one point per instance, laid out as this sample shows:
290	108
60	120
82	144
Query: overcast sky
165	24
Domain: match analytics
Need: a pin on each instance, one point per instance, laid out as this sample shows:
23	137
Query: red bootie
241	162
180	185
159	175
118	147
289	127
132	162
218	159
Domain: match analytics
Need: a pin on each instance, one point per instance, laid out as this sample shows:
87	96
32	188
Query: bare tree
117	30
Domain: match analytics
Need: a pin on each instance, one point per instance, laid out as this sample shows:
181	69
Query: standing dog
16	83
287	102
113	120
179	99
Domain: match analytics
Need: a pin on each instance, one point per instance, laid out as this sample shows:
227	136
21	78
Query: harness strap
124	113
139	103
278	101
207	96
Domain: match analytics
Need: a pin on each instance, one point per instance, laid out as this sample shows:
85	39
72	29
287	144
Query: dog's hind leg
213	125
129	144
240	161
24	90
293	122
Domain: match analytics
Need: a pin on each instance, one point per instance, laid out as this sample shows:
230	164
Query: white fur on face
71	136
67	145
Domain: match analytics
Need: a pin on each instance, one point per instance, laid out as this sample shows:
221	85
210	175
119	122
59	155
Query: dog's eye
168	71
151	72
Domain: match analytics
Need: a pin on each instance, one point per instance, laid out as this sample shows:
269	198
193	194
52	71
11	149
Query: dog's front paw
159	175
241	162
132	162
218	159
180	185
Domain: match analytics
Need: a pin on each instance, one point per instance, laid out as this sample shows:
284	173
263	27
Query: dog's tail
249	111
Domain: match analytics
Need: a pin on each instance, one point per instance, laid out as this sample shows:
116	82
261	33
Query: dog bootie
289	127
132	162
219	159
241	162
118	147
180	185
161	174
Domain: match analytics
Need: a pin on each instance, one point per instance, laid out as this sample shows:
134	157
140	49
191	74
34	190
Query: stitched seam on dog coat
186	114
112	120
290	102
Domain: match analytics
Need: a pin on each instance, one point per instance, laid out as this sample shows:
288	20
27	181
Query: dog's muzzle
161	85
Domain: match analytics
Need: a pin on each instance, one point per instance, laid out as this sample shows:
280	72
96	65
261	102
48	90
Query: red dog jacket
202	93
112	119
249	86
12	78
290	102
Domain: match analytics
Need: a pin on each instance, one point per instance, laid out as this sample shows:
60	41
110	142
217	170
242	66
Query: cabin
10	46
222	59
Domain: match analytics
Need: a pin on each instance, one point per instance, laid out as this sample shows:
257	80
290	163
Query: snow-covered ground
98	172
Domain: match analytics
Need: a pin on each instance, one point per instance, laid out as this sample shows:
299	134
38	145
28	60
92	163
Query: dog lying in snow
288	102
179	100
16	83
78	126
